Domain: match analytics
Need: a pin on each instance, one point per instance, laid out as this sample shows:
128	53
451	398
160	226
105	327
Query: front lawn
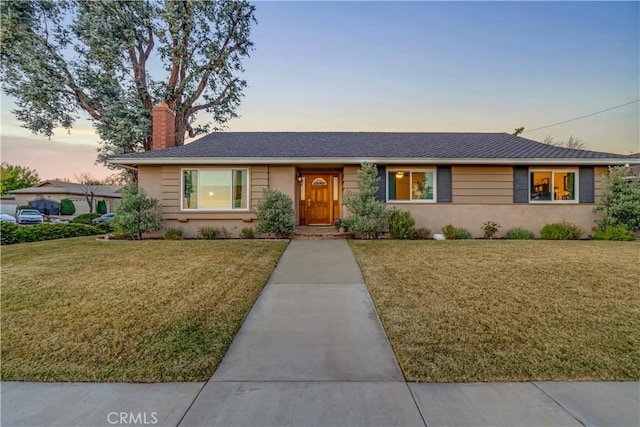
82	310
465	311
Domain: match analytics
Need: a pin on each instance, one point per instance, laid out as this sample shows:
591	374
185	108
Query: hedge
12	233
85	218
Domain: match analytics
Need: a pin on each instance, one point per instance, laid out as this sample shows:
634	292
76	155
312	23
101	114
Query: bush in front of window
520	234
453	233
173	233
401	225
275	214
247	233
490	229
422	234
368	215
613	232
212	233
450	232
67	207
620	201
561	231
464	234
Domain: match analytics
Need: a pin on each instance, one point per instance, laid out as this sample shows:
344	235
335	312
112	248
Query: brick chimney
163	127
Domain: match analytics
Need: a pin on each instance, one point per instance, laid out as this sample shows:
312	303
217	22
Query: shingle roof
358	145
64	187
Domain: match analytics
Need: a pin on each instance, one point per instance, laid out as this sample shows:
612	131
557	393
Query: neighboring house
46	196
464	179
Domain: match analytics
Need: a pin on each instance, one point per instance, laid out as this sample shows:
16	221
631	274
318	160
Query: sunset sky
415	66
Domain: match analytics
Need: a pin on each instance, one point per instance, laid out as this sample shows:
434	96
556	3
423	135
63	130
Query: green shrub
463	233
450	232
368	215
617	232
519	234
13	233
101	207
422	234
275	214
67	207
209	233
620	200
401	225
9	233
85	218
247	233
560	231
490	229
173	233
453	233
137	214
104	227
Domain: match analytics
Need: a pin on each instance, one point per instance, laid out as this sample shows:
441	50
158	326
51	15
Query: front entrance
319	198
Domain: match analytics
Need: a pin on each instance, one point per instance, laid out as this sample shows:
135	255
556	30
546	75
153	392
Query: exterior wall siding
491	185
349	185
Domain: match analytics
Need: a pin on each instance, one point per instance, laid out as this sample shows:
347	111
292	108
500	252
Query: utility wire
582	117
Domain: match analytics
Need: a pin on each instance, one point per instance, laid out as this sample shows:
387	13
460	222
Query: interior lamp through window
399	174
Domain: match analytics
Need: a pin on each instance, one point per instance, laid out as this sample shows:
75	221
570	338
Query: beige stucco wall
283	178
473	216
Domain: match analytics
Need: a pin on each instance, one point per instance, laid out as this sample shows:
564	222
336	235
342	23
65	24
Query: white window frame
553	171
411	171
230	170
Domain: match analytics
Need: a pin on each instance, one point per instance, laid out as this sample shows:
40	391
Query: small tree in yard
101	208
368	215
275	214
67	207
136	213
620	201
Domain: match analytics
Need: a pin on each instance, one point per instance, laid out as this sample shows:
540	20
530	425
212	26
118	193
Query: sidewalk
312	352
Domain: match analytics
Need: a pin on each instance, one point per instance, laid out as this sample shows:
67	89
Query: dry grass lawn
81	310
464	311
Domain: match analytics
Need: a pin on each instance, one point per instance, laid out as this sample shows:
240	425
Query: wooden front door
319	199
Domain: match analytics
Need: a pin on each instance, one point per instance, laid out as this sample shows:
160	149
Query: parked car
7	218
30	216
104	218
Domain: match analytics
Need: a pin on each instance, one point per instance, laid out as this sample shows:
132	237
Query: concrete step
319	233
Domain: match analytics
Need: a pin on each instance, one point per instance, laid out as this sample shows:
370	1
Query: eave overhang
133	162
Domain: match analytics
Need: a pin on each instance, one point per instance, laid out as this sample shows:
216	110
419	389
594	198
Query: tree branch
211	65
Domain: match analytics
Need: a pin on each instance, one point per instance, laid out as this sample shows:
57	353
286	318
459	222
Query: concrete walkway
312	352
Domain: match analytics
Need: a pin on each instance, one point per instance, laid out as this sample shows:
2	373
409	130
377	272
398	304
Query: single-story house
464	179
47	195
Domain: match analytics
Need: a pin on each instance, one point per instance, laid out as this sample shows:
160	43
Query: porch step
319	233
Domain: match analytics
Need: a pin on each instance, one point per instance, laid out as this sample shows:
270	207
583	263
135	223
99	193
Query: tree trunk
180	128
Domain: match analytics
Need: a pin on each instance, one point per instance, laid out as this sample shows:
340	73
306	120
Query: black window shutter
586	182
381	194
520	184
444	184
